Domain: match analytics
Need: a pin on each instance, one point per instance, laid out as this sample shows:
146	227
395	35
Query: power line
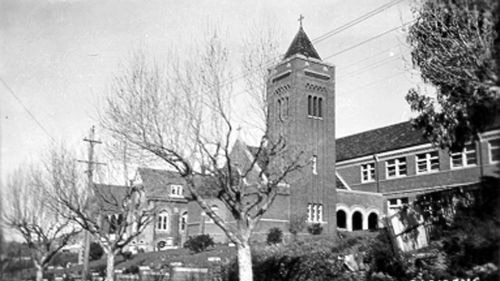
374	82
26	109
356	21
326	35
370	66
366	58
368	40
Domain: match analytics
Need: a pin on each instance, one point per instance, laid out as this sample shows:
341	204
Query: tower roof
302	45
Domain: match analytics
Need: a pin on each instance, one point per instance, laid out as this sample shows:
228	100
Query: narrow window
309	106
320	107
279	109
315	165
315	107
287	107
368	172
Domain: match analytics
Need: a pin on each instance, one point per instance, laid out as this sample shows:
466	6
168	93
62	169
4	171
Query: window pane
315	106
456	160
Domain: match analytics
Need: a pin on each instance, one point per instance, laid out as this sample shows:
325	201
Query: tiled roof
378	140
302	45
156	182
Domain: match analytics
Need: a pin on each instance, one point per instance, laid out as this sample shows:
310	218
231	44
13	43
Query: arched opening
372	221
357	221
341	219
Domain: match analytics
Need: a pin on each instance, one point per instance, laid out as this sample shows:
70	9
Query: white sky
59	56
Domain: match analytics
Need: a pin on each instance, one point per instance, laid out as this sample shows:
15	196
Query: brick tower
301	96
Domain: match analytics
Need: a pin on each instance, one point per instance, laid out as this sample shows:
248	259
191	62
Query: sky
57	58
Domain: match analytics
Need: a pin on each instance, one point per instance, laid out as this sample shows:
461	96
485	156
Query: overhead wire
9	89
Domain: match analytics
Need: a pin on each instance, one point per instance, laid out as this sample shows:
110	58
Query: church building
351	183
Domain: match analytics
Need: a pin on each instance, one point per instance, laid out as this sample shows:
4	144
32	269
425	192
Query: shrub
297	224
382	259
199	243
274	236
315	229
312	260
95	251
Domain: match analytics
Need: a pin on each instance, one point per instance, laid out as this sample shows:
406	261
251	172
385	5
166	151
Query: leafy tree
453	47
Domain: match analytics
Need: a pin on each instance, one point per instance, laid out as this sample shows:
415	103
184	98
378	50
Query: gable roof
302	45
156	181
379	140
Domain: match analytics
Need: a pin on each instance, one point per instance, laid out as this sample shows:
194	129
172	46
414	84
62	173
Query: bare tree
27	212
184	116
113	215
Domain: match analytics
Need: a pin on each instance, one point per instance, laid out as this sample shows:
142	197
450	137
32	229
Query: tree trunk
245	262
110	265
39	272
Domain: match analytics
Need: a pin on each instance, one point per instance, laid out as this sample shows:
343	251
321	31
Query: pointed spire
301	44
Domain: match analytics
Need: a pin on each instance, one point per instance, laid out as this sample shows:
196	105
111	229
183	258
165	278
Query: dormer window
176	191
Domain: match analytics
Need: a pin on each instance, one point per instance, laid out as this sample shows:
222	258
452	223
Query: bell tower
301	97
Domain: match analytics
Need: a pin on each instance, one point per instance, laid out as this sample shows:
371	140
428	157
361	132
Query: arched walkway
341	219
357	221
372	221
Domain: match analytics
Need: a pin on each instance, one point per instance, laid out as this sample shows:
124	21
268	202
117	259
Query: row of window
163	219
429	162
315	212
314	106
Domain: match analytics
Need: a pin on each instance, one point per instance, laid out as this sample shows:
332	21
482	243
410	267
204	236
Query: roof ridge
375	129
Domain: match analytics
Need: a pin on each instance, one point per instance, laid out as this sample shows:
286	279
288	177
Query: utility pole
90	174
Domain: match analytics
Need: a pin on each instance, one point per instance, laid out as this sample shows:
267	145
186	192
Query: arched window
183	222
320	107
162	222
309	106
315	106
357	221
341	219
372	221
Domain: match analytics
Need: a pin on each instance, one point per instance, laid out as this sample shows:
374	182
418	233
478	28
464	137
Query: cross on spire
301	17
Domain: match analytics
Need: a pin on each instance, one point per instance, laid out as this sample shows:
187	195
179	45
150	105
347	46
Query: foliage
312	260
96	251
315	229
199	243
382	259
453	48
274	236
297	224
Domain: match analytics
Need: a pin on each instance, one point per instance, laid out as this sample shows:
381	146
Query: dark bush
274	236
63	258
127	255
382	259
199	243
133	269
315	229
95	251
